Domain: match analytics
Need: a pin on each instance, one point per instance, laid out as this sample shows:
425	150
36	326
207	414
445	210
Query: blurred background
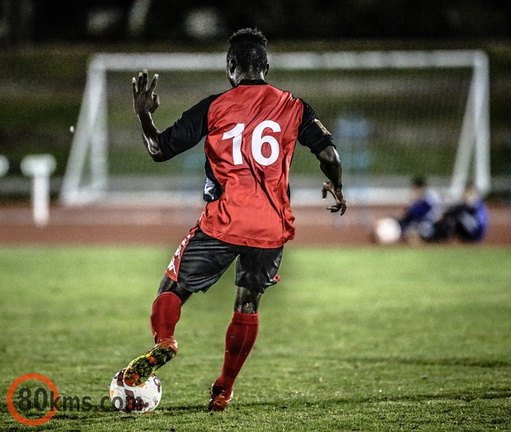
45	47
31	21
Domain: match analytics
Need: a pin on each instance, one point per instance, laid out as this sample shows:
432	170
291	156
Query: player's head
247	55
419	182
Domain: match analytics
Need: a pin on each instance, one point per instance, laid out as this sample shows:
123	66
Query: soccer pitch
368	339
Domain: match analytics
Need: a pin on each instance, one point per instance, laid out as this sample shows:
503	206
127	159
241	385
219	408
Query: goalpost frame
90	141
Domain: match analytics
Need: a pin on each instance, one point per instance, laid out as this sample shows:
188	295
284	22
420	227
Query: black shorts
200	260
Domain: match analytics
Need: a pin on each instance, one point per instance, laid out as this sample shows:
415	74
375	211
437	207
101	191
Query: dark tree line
117	20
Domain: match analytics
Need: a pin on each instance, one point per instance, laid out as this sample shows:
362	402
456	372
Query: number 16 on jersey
257	140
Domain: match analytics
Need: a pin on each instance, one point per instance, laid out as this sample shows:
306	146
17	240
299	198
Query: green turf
376	339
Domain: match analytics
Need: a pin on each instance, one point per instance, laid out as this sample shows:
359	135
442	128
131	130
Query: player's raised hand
144	98
340	202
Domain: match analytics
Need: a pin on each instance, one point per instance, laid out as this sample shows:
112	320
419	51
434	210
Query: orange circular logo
20	417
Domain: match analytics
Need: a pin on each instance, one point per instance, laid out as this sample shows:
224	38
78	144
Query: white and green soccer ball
135	400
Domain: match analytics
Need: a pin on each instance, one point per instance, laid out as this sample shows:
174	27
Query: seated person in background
420	217
466	221
424	211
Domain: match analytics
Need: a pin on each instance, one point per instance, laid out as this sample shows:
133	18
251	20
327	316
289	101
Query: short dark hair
248	50
419	182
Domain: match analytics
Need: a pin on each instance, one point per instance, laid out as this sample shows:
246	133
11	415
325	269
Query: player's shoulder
262	90
288	99
208	100
204	103
201	108
285	92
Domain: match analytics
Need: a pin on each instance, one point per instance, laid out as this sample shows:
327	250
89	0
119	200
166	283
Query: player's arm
145	102
314	135
185	133
330	164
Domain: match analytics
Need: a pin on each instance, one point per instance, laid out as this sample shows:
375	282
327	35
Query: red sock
239	340
165	315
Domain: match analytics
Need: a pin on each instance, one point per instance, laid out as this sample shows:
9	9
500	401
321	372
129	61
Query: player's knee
247	301
169	285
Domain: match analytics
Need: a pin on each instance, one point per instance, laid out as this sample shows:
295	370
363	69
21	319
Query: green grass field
360	339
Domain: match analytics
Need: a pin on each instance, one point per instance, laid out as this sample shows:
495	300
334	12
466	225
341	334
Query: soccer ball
387	231
136	400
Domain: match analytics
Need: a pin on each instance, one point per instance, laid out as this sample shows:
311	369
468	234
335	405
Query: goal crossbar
90	141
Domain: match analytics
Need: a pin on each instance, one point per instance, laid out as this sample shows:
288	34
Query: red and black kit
251	133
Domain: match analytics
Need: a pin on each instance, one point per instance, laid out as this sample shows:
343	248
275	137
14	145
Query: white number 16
257	142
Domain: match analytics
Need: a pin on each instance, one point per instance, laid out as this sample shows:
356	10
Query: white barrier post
40	167
4	165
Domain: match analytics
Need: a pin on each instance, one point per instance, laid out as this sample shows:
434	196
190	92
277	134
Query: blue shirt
425	209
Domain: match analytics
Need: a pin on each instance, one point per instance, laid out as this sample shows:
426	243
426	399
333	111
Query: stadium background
398	338
45	45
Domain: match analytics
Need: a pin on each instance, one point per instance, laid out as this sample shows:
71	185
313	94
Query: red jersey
251	133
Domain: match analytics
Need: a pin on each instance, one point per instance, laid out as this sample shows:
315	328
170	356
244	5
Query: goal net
393	115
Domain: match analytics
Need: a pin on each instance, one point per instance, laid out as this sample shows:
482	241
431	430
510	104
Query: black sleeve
187	131
312	133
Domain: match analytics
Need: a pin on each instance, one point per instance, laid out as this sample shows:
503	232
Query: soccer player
251	132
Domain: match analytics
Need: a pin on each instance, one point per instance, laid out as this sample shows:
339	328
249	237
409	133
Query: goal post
337	79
